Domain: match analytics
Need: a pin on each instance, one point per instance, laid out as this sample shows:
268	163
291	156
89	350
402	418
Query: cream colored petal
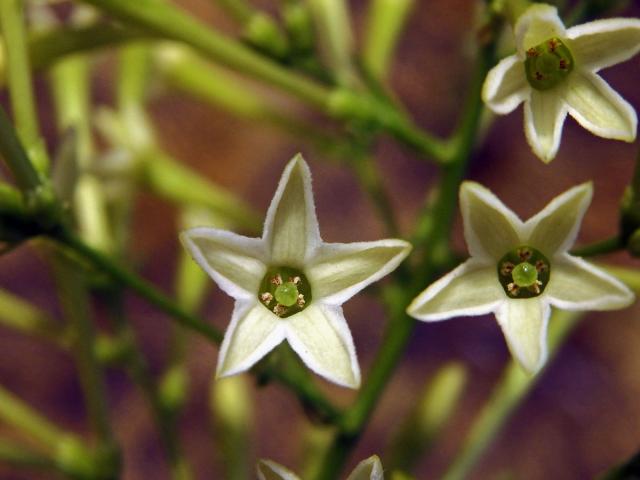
555	227
269	470
253	332
369	469
575	284
470	289
291	227
544	115
524	324
537	24
490	228
321	337
234	262
506	86
340	270
603	43
599	108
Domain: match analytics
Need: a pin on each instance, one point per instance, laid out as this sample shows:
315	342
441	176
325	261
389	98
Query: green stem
47	48
143	288
602	247
506	397
139	371
172	22
385	22
18	414
306	390
15	156
401	326
74	302
20	456
22	316
20	82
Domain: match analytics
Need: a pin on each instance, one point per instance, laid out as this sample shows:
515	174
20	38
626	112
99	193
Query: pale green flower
290	285
369	469
519	269
554	72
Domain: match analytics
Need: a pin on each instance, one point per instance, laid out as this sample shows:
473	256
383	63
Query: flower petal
340	270
321	337
578	285
253	332
291	228
369	469
537	24
599	108
603	43
506	86
490	228
544	115
470	289
555	227
269	470
233	261
524	324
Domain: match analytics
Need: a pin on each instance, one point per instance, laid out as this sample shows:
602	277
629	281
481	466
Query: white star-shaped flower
290	285
519	269
554	72
369	469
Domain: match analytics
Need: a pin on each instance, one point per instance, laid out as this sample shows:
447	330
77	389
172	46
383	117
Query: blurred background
581	418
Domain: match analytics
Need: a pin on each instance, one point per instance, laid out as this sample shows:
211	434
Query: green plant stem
24	418
385	22
306	391
507	395
15	156
20	315
74	302
400	327
145	289
137	367
20	456
20	82
171	22
602	247
47	48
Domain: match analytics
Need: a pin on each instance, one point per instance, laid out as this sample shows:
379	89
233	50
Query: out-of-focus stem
507	395
385	22
18	414
434	409
20	83
74	302
22	316
333	33
172	22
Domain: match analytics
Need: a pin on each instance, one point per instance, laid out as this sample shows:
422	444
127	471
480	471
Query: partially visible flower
554	72
369	469
519	269
290	285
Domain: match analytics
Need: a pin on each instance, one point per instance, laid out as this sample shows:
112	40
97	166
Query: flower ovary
548	64
523	272
285	291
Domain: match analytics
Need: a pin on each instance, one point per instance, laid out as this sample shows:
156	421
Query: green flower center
285	291
524	272
548	64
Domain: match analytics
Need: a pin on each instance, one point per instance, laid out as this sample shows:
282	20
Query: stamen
548	64
285	298
523	272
